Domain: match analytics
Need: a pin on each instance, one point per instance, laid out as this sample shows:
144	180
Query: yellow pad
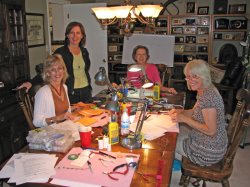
91	112
87	121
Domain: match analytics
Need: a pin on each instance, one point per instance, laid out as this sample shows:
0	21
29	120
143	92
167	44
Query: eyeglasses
192	77
54	70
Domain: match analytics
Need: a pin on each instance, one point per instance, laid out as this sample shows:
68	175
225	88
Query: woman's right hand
26	85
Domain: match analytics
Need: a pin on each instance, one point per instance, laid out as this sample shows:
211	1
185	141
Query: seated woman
51	101
141	55
205	141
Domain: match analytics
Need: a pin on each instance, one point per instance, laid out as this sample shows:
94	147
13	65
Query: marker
106	154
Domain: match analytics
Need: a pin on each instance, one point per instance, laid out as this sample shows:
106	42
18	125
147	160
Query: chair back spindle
26	103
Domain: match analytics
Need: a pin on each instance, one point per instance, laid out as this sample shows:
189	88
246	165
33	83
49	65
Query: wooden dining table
155	161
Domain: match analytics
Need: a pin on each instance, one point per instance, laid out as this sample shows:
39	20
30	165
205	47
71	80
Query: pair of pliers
117	172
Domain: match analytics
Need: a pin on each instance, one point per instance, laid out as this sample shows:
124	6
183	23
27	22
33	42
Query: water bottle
125	123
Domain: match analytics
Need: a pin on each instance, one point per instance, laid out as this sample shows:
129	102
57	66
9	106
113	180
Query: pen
90	166
88	148
106	154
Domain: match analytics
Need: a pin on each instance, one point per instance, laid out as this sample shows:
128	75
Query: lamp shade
150	10
100	77
113	106
103	12
121	11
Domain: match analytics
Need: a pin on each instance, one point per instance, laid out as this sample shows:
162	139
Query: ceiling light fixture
127	15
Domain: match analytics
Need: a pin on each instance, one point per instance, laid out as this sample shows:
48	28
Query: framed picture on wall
203	10
191	8
35	29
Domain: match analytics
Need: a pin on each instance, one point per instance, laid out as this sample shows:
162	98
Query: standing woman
51	101
76	58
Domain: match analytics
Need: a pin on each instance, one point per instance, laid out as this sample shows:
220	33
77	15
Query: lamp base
131	143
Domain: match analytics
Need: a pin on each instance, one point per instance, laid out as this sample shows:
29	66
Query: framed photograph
189	30
191	39
237	9
177	30
203	10
202	30
191	8
112	48
35	29
179	39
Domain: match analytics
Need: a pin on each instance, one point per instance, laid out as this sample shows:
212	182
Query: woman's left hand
172	91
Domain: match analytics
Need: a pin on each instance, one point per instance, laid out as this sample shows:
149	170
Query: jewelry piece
58	93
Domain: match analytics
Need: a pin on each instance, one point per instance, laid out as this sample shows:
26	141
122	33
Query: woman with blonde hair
51	101
205	140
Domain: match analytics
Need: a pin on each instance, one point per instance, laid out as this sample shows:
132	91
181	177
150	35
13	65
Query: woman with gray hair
205	140
51	101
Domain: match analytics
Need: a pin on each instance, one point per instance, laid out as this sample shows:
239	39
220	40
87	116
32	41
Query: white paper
155	126
30	167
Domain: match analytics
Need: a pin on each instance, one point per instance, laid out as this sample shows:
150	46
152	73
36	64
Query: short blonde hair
49	62
201	69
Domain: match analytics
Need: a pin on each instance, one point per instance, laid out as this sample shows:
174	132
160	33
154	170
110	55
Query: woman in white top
51	101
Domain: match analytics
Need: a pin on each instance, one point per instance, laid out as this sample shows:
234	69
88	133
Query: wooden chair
221	171
165	73
26	103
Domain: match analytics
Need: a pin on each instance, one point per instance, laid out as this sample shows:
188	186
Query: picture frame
191	8
237	9
112	48
203	10
35	29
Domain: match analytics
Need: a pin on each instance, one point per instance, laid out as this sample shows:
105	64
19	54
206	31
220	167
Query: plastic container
113	130
125	122
156	90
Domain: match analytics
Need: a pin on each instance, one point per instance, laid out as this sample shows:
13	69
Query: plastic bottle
156	90
125	122
113	130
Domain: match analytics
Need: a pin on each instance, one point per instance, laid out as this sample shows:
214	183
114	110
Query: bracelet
51	121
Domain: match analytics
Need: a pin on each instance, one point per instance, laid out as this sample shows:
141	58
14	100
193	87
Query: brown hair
50	61
68	30
140	47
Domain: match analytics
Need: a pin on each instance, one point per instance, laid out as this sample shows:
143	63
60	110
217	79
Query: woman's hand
177	115
171	90
65	116
26	85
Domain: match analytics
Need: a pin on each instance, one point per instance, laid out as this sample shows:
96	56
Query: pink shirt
151	72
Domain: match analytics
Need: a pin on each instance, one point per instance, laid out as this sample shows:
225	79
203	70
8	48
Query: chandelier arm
104	23
139	17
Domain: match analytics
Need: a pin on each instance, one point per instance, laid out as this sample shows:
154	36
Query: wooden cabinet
14	69
227	32
192	35
14	62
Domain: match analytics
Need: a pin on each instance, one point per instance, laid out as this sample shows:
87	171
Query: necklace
60	91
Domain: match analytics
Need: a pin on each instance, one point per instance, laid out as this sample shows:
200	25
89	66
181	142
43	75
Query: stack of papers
155	126
29	167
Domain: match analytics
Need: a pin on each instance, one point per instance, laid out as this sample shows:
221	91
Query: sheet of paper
155	126
33	168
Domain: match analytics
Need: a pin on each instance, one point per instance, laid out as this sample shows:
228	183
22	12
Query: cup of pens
85	136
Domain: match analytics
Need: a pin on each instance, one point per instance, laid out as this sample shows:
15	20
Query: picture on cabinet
191	6
35	29
190	39
237	9
203	10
